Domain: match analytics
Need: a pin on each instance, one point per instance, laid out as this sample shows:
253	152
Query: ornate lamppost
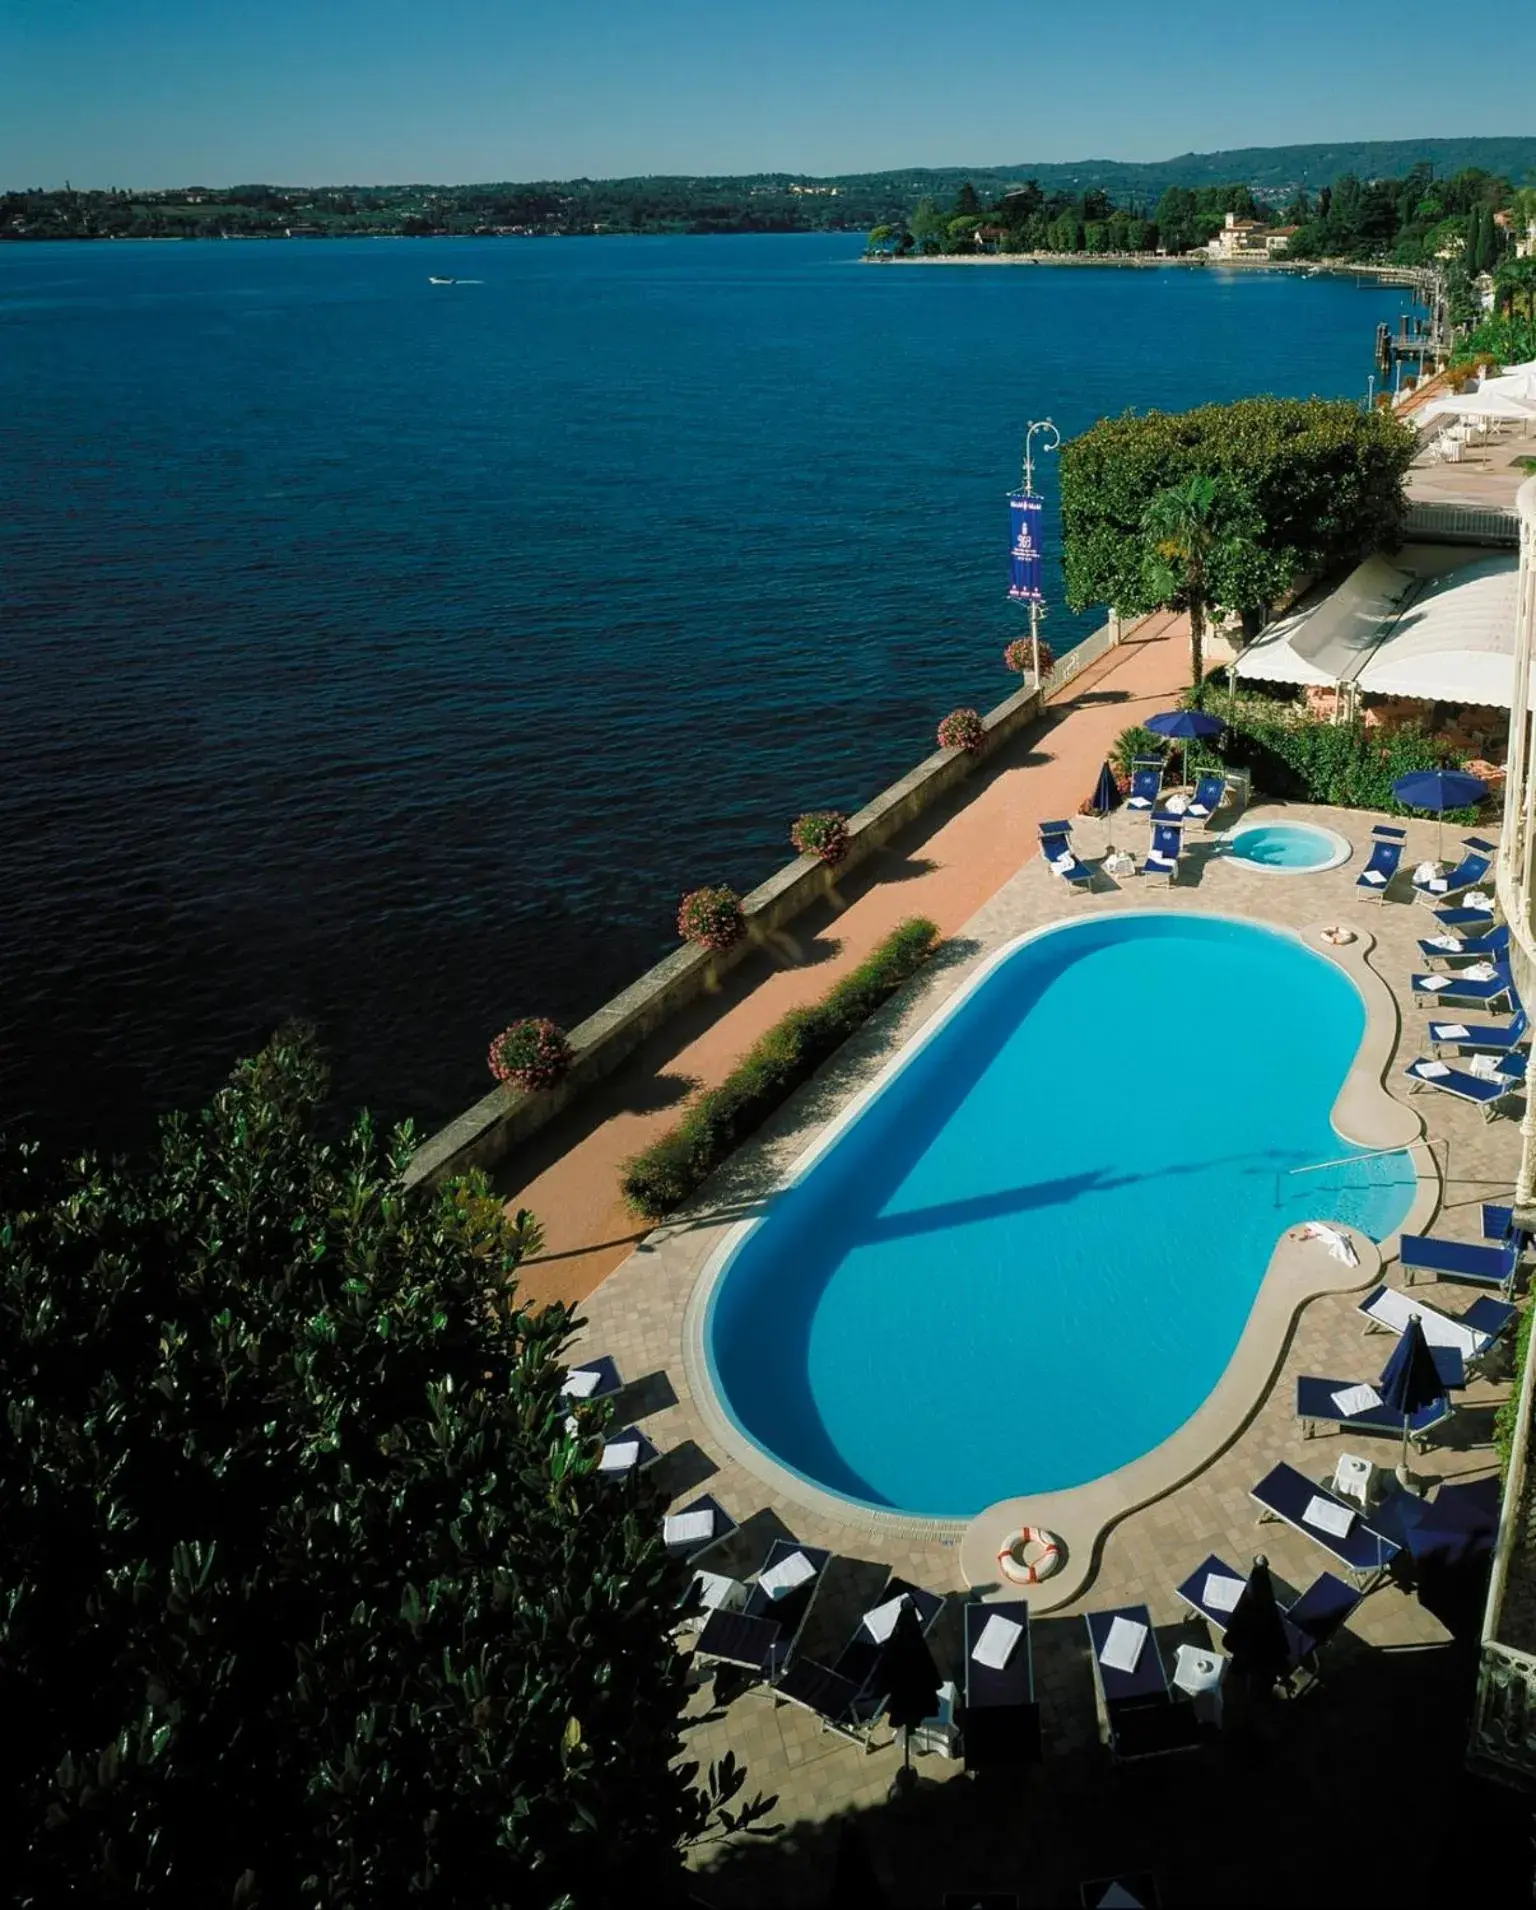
1025	510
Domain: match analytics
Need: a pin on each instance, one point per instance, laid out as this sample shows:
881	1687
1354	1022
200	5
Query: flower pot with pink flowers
533	1053
712	918
962	729
1020	656
821	832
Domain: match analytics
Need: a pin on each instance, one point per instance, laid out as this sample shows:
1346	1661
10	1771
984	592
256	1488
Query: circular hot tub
1286	848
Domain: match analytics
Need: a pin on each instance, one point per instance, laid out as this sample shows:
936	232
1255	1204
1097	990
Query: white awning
1455	643
1327	644
1480	404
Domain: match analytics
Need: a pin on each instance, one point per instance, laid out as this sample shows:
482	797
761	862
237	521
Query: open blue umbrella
1106	792
1438	790
1184	726
1409	1382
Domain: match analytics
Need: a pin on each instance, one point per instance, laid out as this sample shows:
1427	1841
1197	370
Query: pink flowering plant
1020	656
712	918
962	729
821	832
533	1053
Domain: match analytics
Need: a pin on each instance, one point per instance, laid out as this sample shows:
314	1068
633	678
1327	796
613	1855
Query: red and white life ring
1029	1555
1337	937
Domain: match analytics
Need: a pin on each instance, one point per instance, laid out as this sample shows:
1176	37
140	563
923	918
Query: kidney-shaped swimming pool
1027	1256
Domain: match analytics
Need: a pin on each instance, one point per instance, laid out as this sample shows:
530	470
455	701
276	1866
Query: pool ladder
1428	1143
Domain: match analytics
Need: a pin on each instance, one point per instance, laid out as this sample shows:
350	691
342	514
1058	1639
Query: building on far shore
1249	239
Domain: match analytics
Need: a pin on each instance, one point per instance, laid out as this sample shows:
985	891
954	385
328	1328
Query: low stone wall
484	1134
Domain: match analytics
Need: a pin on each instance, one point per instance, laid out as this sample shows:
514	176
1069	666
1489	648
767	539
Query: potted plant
711	918
533	1053
821	832
962	729
1020	656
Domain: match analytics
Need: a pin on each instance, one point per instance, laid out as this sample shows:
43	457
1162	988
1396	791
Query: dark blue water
397	654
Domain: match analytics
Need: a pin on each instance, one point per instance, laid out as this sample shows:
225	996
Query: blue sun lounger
1289	1496
1002	1714
761	1637
1061	858
1316	1406
1146	784
1474	1334
1466	918
619	1462
1210	794
1483	1038
1478	994
1386	857
1499	1225
593	1380
689	1544
1461	1085
1466	875
1461	1260
848	1695
1141	1716
1163	856
1477	948
1318	1613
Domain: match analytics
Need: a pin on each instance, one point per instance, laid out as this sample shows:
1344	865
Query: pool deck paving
1398	1682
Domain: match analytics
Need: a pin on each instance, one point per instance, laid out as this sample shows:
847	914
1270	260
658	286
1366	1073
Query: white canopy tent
1519	385
1481	404
1386	632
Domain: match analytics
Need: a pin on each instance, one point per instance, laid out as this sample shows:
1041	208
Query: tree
967	205
1200	537
927	222
311	1597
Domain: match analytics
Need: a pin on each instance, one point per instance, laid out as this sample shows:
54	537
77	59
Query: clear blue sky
174	92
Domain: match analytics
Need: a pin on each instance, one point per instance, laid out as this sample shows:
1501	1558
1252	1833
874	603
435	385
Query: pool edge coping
1363	1113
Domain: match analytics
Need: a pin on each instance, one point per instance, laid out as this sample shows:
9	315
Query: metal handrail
1427	1141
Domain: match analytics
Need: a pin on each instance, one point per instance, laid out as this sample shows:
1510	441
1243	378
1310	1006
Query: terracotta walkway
945	867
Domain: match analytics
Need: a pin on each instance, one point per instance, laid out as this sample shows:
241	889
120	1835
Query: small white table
1354	1478
1200	1674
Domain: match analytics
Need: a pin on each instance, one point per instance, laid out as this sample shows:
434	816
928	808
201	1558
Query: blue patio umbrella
1438	790
1409	1382
1184	726
1106	792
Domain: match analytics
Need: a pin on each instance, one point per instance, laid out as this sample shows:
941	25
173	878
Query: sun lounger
1289	1496
1210	794
1317	1405
592	1379
1138	1887
1323	1608
1470	916
1481	1038
1467	874
1460	1260
761	1637
1163	856
1499	1225
1002	1715
1141	1716
626	1454
1460	1084
701	1523
1061	857
1312	1618
1385	859
847	1695
1474	1334
1493	946
1459	988
1146	783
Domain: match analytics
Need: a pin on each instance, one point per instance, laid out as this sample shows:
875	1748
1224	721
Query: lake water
397	654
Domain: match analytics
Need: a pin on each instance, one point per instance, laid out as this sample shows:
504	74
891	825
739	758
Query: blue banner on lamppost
1024	515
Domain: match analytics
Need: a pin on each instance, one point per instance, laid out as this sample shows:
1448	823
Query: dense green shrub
1308	759
1509	1409
1134	744
1324	480
662	1176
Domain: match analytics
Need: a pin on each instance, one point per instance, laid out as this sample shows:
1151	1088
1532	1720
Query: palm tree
1192	530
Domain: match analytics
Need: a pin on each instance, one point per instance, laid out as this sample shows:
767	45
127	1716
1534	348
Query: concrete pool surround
1364	1115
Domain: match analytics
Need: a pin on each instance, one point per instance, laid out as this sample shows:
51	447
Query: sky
181	92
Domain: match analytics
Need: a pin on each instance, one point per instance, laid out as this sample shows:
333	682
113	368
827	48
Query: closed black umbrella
911	1680
1106	792
1257	1636
1409	1382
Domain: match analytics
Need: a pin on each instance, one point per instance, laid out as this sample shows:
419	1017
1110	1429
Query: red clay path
944	866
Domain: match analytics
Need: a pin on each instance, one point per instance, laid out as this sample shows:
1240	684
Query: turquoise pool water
1294	847
1031	1256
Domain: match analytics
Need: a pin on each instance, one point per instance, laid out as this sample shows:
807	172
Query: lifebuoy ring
1337	937
1029	1555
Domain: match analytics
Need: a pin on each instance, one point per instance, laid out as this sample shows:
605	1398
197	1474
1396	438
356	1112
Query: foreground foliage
309	1596
1321	484
662	1176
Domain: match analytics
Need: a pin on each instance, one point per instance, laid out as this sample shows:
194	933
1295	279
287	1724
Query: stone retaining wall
484	1134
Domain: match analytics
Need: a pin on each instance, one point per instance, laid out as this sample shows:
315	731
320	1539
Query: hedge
1324	479
1303	758
662	1176
1509	1410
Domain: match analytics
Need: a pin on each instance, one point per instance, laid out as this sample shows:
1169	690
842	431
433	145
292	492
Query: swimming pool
1026	1257
1287	848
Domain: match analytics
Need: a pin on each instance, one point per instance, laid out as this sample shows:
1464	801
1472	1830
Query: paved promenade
945	867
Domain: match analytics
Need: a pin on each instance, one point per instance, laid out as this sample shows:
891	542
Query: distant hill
1271	171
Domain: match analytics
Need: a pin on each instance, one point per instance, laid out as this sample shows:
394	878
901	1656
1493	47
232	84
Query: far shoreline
1144	261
